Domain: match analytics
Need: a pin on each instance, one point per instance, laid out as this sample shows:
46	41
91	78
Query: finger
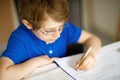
81	68
84	64
78	63
91	64
83	56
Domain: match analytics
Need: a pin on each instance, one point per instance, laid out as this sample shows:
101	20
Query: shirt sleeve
73	33
15	50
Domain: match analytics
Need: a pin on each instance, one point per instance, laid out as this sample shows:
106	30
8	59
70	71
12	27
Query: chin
49	42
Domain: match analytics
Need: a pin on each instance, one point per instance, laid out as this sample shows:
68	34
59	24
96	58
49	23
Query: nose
56	34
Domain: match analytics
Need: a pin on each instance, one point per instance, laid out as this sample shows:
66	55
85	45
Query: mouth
51	40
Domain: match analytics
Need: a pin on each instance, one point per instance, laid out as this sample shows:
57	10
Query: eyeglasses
48	33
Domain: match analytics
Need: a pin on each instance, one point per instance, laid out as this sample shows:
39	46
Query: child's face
50	30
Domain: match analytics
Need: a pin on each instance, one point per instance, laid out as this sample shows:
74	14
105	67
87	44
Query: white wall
101	16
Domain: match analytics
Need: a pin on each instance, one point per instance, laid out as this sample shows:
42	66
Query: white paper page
107	67
49	72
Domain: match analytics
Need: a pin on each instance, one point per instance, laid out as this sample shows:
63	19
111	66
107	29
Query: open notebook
49	72
107	67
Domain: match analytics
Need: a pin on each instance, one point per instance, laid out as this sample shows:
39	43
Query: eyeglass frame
47	33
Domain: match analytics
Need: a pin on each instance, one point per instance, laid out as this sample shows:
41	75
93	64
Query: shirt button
50	51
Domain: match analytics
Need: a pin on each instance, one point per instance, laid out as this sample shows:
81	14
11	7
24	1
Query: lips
51	41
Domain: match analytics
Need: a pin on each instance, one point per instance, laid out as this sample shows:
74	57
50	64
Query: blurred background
100	17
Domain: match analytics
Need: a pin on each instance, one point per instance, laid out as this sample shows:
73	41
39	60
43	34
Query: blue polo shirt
23	44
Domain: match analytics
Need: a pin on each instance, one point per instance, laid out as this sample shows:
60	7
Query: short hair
35	11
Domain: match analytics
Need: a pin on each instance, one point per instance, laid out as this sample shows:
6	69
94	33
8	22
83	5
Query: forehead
50	23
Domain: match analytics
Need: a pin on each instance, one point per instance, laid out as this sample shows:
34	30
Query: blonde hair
34	11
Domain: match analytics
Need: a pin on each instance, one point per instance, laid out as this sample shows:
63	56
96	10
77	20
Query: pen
88	51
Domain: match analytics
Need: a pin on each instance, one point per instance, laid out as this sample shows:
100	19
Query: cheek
46	38
43	37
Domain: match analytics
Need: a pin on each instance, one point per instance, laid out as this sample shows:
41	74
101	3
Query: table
107	67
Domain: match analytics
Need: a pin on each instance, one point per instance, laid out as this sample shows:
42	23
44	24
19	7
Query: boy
43	37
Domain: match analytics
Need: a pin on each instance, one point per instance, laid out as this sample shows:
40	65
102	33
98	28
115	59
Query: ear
27	24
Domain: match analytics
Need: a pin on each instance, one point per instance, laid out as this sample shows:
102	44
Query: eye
50	30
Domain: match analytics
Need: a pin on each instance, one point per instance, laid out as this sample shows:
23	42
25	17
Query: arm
89	40
10	71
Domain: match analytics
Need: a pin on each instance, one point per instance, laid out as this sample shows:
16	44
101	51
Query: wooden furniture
117	36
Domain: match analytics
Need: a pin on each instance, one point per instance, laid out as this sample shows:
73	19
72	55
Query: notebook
49	72
107	66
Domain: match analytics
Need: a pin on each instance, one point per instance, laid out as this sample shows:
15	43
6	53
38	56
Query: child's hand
85	63
44	60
